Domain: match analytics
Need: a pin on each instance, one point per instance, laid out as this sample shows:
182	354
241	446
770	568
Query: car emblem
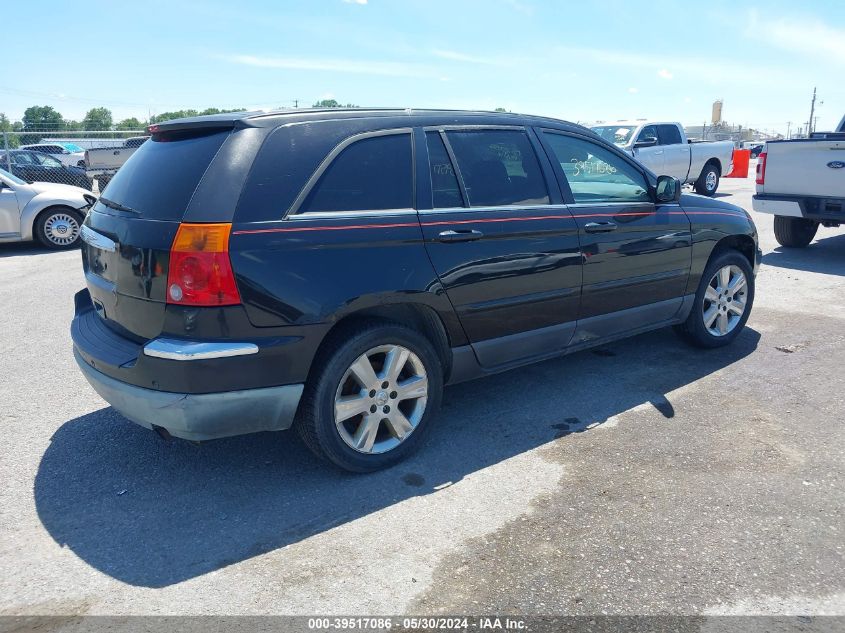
836	164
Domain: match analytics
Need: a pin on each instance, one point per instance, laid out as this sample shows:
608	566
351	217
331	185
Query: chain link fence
71	157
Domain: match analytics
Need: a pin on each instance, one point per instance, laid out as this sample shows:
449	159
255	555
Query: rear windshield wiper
116	205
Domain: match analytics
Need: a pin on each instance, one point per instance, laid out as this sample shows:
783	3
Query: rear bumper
198	417
811	207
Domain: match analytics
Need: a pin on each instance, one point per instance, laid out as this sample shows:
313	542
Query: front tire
722	302
794	232
708	181
58	228
370	401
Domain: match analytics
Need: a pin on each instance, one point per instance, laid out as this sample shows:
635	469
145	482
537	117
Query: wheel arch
30	217
738	242
716	163
419	316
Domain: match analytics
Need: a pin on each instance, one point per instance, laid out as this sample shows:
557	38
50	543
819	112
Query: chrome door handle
599	227
459	236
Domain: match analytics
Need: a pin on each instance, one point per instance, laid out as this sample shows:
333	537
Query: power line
70	98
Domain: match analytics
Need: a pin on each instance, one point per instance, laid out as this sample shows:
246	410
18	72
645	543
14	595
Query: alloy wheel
710	180
725	300
381	399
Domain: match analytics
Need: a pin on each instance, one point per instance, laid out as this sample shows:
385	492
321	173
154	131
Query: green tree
177	114
181	114
42	119
499	110
332	103
97	119
6	126
132	123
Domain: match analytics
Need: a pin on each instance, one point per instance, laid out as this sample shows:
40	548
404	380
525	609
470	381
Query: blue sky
581	61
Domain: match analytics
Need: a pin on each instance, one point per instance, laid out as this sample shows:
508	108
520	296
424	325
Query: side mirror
647	142
668	189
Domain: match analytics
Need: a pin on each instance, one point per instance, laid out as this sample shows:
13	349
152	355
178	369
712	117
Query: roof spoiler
222	121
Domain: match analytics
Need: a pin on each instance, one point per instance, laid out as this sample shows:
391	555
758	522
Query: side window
446	192
669	134
47	161
648	133
22	159
596	174
499	168
374	173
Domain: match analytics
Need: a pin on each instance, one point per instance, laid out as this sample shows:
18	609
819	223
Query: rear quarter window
370	174
160	177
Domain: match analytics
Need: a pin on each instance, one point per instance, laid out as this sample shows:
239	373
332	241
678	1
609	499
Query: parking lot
644	477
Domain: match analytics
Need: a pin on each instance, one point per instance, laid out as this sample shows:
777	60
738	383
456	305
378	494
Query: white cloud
633	90
730	71
389	69
355	1
664	74
469	59
808	36
521	7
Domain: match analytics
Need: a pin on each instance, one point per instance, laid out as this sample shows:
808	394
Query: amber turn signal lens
202	238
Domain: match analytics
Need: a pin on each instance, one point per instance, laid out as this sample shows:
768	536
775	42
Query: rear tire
58	228
708	181
389	422
794	232
726	284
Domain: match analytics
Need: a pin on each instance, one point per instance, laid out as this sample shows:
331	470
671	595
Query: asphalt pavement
645	477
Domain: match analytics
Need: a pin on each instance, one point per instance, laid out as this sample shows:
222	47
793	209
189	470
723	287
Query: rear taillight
761	169
200	269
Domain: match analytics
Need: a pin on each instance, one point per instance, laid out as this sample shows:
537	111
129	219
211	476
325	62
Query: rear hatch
128	233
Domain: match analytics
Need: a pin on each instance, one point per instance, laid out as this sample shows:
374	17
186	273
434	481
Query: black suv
331	270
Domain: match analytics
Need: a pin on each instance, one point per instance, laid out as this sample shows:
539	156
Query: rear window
669	134
160	177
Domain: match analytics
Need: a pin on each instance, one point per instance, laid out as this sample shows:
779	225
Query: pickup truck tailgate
806	167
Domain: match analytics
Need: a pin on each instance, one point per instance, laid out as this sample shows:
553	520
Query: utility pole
296	103
812	112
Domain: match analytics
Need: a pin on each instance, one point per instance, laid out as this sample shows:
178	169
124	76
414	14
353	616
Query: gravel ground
642	478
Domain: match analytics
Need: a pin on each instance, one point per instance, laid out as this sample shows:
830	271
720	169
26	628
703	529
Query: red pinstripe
293	229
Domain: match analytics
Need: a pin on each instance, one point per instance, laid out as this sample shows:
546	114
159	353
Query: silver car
47	212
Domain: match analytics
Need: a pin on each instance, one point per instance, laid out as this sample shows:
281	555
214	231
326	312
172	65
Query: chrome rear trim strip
177	349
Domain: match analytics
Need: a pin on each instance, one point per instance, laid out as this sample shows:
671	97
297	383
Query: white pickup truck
103	162
802	183
664	148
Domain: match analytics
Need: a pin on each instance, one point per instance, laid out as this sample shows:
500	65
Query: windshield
616	134
72	148
11	177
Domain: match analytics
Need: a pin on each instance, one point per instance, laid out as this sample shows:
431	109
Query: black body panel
536	282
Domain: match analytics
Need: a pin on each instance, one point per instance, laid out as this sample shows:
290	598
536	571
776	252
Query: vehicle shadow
826	255
21	249
152	513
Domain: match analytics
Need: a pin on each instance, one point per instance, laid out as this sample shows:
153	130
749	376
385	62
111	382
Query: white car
47	212
664	148
66	153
